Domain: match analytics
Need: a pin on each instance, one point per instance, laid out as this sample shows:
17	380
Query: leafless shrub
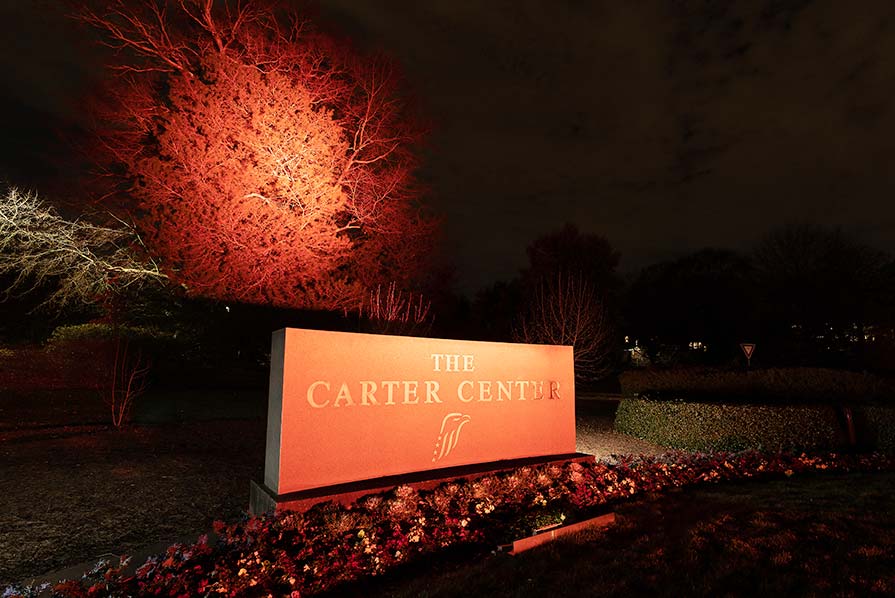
127	381
396	312
567	310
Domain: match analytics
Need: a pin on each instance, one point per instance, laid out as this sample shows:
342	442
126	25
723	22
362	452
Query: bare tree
567	310
128	371
83	261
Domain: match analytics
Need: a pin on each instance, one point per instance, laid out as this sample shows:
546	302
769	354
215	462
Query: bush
789	385
110	359
712	426
101	330
876	427
396	312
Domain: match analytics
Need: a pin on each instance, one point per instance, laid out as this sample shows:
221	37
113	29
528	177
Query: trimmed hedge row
878	426
713	427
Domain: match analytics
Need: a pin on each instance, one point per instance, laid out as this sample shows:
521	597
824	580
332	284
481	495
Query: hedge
876	424
732	427
89	331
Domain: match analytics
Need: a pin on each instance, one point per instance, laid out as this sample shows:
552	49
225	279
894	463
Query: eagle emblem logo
449	435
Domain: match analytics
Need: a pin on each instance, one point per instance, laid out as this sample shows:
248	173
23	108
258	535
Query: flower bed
301	554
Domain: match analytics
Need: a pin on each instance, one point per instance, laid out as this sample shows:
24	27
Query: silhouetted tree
572	252
567	252
706	297
819	289
496	310
565	295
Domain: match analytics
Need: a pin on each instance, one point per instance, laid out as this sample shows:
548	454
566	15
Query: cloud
665	126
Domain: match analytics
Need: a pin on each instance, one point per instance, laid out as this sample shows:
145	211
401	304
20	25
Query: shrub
396	312
102	330
711	427
876	427
116	354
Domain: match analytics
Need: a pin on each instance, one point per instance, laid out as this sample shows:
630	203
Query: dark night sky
665	126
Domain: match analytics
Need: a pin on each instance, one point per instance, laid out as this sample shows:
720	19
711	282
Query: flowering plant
298	554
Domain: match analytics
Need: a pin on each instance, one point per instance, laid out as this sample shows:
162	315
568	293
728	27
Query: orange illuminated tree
261	161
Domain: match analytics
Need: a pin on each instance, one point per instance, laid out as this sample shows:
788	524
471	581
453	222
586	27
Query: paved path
595	435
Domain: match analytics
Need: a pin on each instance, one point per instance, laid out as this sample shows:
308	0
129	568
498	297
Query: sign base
554	533
262	500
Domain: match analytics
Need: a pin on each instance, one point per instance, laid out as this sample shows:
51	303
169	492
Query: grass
824	535
70	493
72	488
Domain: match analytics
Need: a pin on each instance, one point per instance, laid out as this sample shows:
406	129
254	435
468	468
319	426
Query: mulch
74	493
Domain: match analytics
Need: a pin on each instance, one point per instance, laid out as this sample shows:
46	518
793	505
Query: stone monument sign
347	407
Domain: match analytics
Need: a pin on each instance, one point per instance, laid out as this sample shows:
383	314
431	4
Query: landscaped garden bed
805	535
301	554
144	484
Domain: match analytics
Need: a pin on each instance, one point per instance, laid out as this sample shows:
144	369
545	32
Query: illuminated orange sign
349	407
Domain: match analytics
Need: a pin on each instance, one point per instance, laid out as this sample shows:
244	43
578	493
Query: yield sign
748	349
